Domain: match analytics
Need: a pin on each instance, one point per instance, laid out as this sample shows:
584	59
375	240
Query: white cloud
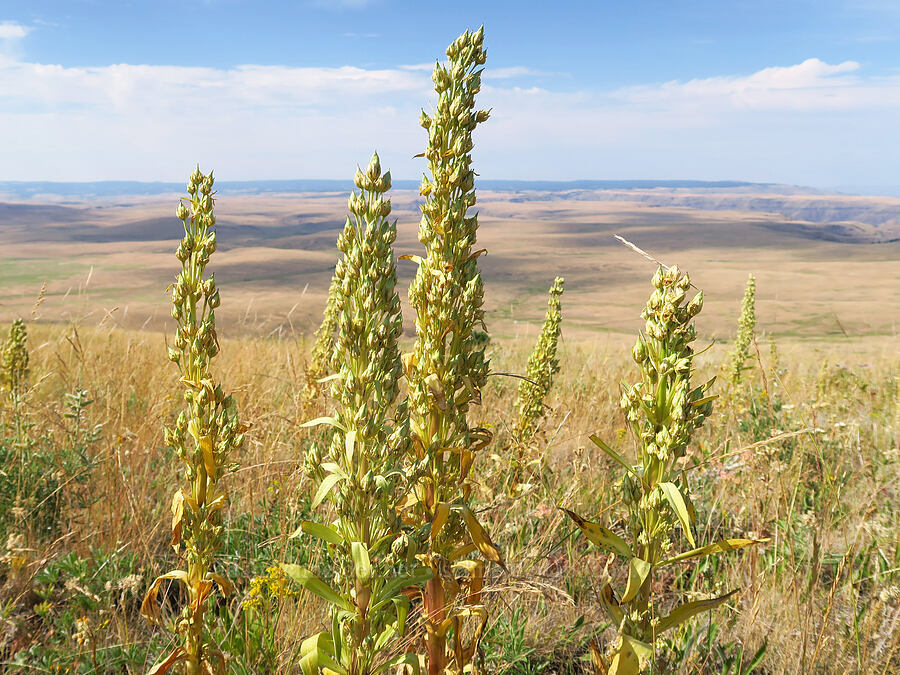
806	123
812	84
10	30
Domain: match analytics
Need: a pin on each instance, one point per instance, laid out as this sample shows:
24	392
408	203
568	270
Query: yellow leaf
177	515
638	570
209	460
681	614
676	501
601	536
601	667
481	538
625	661
149	607
223	583
718	547
437	391
177	655
441	513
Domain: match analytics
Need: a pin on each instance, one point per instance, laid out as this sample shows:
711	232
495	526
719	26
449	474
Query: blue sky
797	92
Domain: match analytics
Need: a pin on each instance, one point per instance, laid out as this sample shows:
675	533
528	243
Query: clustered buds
366	355
14	359
746	328
664	423
13	373
543	364
448	368
662	410
320	361
370	431
206	434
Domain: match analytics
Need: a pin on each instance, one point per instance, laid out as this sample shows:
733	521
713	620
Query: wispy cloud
795	123
812	84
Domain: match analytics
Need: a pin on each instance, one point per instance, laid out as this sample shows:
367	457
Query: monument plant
543	365
205	436
662	411
361	478
447	367
746	329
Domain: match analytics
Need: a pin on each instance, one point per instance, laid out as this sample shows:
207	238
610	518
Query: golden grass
820	593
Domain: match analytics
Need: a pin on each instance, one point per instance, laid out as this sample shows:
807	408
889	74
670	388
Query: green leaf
681	614
638	570
615	455
330	421
401	602
706	399
676	501
757	658
390	590
409	660
718	547
601	536
325	487
361	564
318	651
319	531
315	585
350	442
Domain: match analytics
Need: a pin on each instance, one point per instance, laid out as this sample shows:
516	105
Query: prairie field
803	452
110	260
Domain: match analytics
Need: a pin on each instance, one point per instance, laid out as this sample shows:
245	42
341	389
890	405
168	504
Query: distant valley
825	263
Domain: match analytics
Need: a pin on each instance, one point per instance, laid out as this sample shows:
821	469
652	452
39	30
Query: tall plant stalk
662	410
543	365
205	436
323	348
361	476
447	368
746	329
14	373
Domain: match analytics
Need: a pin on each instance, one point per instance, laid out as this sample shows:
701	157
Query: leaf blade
681	614
601	536
315	585
676	501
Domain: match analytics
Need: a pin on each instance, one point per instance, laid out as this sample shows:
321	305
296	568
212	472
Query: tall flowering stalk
14	373
361	475
543	365
323	348
746	328
205	436
447	368
662	410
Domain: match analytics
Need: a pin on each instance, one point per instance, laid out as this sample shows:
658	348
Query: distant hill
807	211
43	189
